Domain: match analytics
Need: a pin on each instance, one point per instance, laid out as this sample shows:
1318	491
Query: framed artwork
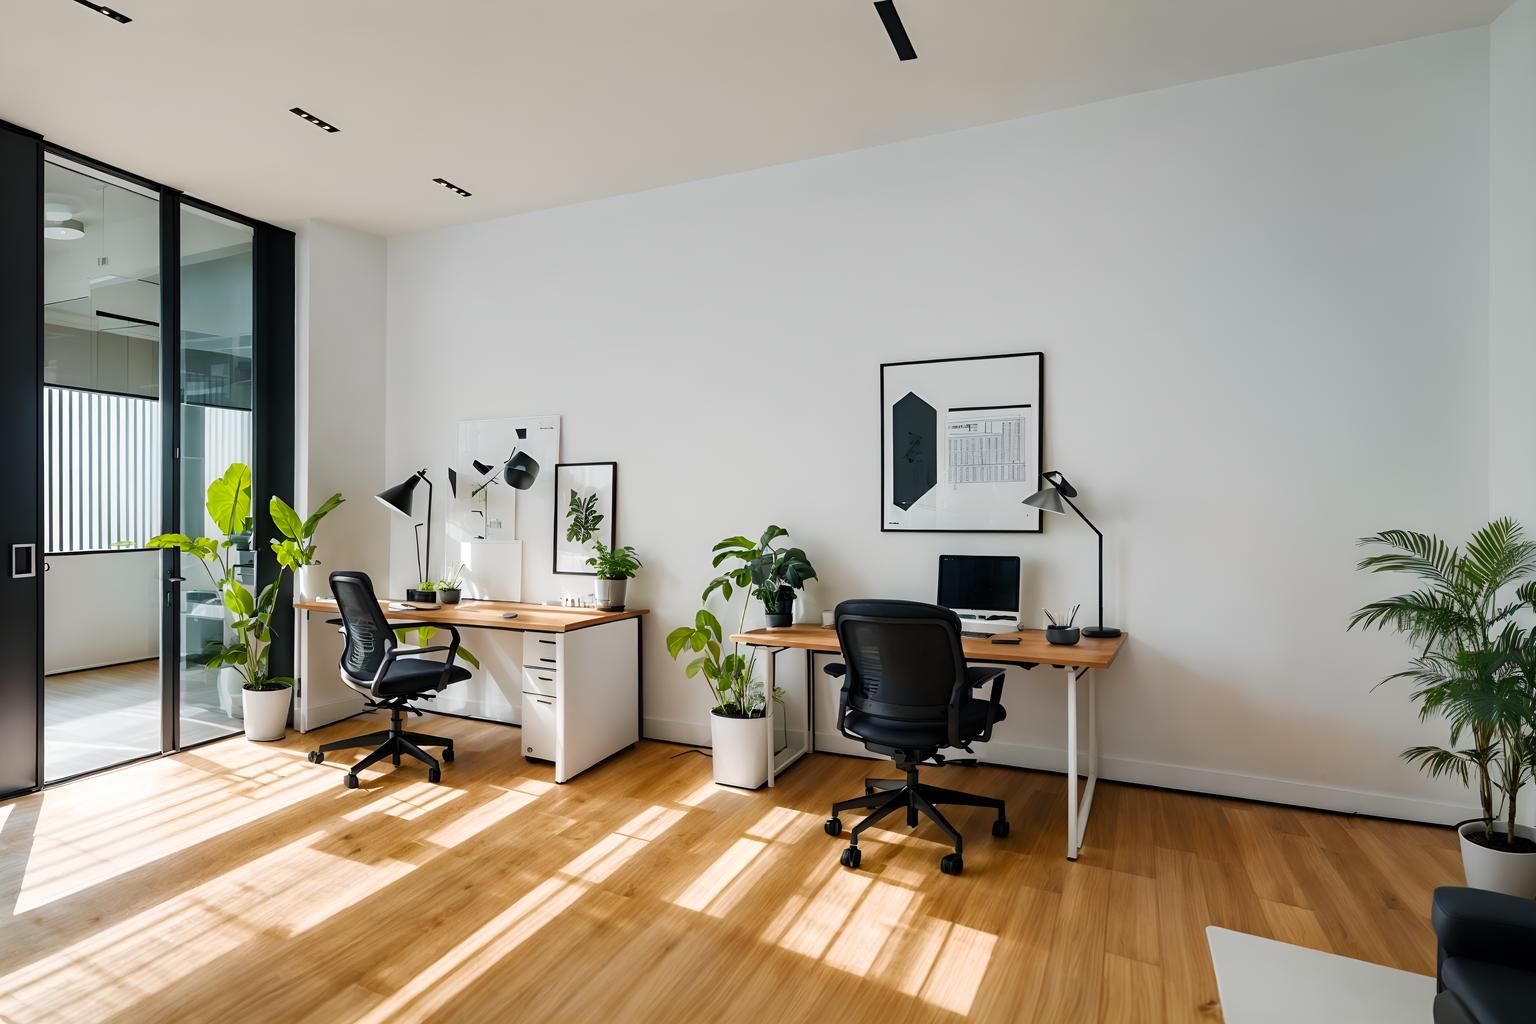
484	508
589	491
960	444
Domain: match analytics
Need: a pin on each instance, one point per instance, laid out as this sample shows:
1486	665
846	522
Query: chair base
885	797
394	743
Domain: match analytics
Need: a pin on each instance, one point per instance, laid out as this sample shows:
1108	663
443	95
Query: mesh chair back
368	634
904	658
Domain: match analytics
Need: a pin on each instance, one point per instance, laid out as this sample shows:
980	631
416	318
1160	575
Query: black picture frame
610	515
1039	407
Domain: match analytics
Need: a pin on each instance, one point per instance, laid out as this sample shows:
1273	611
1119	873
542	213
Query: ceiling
530	104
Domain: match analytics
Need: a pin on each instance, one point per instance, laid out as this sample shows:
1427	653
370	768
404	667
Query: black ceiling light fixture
451	187
117	16
895	29
312	119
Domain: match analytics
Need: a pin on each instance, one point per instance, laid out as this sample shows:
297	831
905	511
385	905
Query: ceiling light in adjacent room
117	16
895	29
312	119
64	230
451	187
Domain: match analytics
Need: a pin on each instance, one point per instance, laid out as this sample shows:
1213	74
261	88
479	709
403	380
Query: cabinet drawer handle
547	679
550	642
550	660
541	700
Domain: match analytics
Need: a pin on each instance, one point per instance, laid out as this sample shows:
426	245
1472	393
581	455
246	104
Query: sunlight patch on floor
77	844
408	802
139	957
719	874
475	820
455	971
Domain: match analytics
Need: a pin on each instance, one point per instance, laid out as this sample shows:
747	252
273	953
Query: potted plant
424	592
450	590
614	569
739	732
771	575
1476	668
265	698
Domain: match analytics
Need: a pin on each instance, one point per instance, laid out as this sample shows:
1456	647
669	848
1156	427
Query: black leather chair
907	694
371	664
1486	971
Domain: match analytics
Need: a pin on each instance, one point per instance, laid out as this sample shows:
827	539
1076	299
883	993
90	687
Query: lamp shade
398	497
483	468
522	470
1047	499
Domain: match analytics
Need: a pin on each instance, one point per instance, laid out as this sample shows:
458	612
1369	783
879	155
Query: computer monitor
980	586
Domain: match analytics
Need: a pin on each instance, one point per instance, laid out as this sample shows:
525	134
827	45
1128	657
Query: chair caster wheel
833	826
1000	828
315	757
448	755
351	780
434	775
952	864
850	857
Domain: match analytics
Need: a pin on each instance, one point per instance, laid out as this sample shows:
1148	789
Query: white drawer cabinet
540	716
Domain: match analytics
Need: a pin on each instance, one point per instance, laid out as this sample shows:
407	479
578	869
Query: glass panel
101	472
217	293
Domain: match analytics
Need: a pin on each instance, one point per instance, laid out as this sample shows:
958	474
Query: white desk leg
769	689
1077	819
1072	844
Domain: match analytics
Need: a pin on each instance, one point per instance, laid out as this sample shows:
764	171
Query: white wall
1263	302
1512	266
100	609
341	394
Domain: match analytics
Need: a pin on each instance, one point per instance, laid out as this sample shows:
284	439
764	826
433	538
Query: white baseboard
321	715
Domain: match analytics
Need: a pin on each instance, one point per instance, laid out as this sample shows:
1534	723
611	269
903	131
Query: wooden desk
531	618
1078	661
574	687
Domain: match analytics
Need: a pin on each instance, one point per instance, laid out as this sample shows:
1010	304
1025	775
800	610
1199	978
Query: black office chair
371	664
906	694
1486	965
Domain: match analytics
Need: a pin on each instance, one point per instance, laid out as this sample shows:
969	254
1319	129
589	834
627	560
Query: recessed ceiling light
895	29
64	230
451	187
117	16
312	119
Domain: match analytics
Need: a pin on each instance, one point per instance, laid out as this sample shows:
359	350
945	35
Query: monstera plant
249	614
771	574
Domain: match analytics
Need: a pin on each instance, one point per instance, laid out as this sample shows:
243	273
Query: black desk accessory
1050	498
1005	639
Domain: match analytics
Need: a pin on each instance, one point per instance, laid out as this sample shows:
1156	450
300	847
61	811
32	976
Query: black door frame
22	155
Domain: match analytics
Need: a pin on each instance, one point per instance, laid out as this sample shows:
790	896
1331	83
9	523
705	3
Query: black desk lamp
399	498
1050	499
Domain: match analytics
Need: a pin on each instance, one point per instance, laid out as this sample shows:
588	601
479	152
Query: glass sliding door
101	463
215	360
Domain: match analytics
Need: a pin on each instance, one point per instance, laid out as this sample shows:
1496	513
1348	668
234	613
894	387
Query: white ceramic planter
230	683
266	713
1512	873
609	594
740	751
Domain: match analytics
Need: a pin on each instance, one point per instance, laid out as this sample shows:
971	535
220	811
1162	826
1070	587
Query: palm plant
1475	666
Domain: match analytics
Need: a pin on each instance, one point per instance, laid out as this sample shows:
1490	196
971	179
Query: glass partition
217	391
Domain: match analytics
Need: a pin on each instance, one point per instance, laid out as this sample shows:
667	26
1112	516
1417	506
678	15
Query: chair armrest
975	676
1483	925
835	669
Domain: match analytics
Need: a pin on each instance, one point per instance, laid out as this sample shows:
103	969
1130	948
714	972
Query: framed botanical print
586	496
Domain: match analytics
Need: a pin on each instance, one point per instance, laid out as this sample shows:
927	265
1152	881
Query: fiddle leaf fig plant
771	574
229	508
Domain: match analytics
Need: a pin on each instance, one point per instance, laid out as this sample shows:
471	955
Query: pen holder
1062	636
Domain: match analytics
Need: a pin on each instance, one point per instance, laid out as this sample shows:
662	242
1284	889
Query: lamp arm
1100	534
428	565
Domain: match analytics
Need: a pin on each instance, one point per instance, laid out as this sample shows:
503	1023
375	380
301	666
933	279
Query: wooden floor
238	882
104	716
